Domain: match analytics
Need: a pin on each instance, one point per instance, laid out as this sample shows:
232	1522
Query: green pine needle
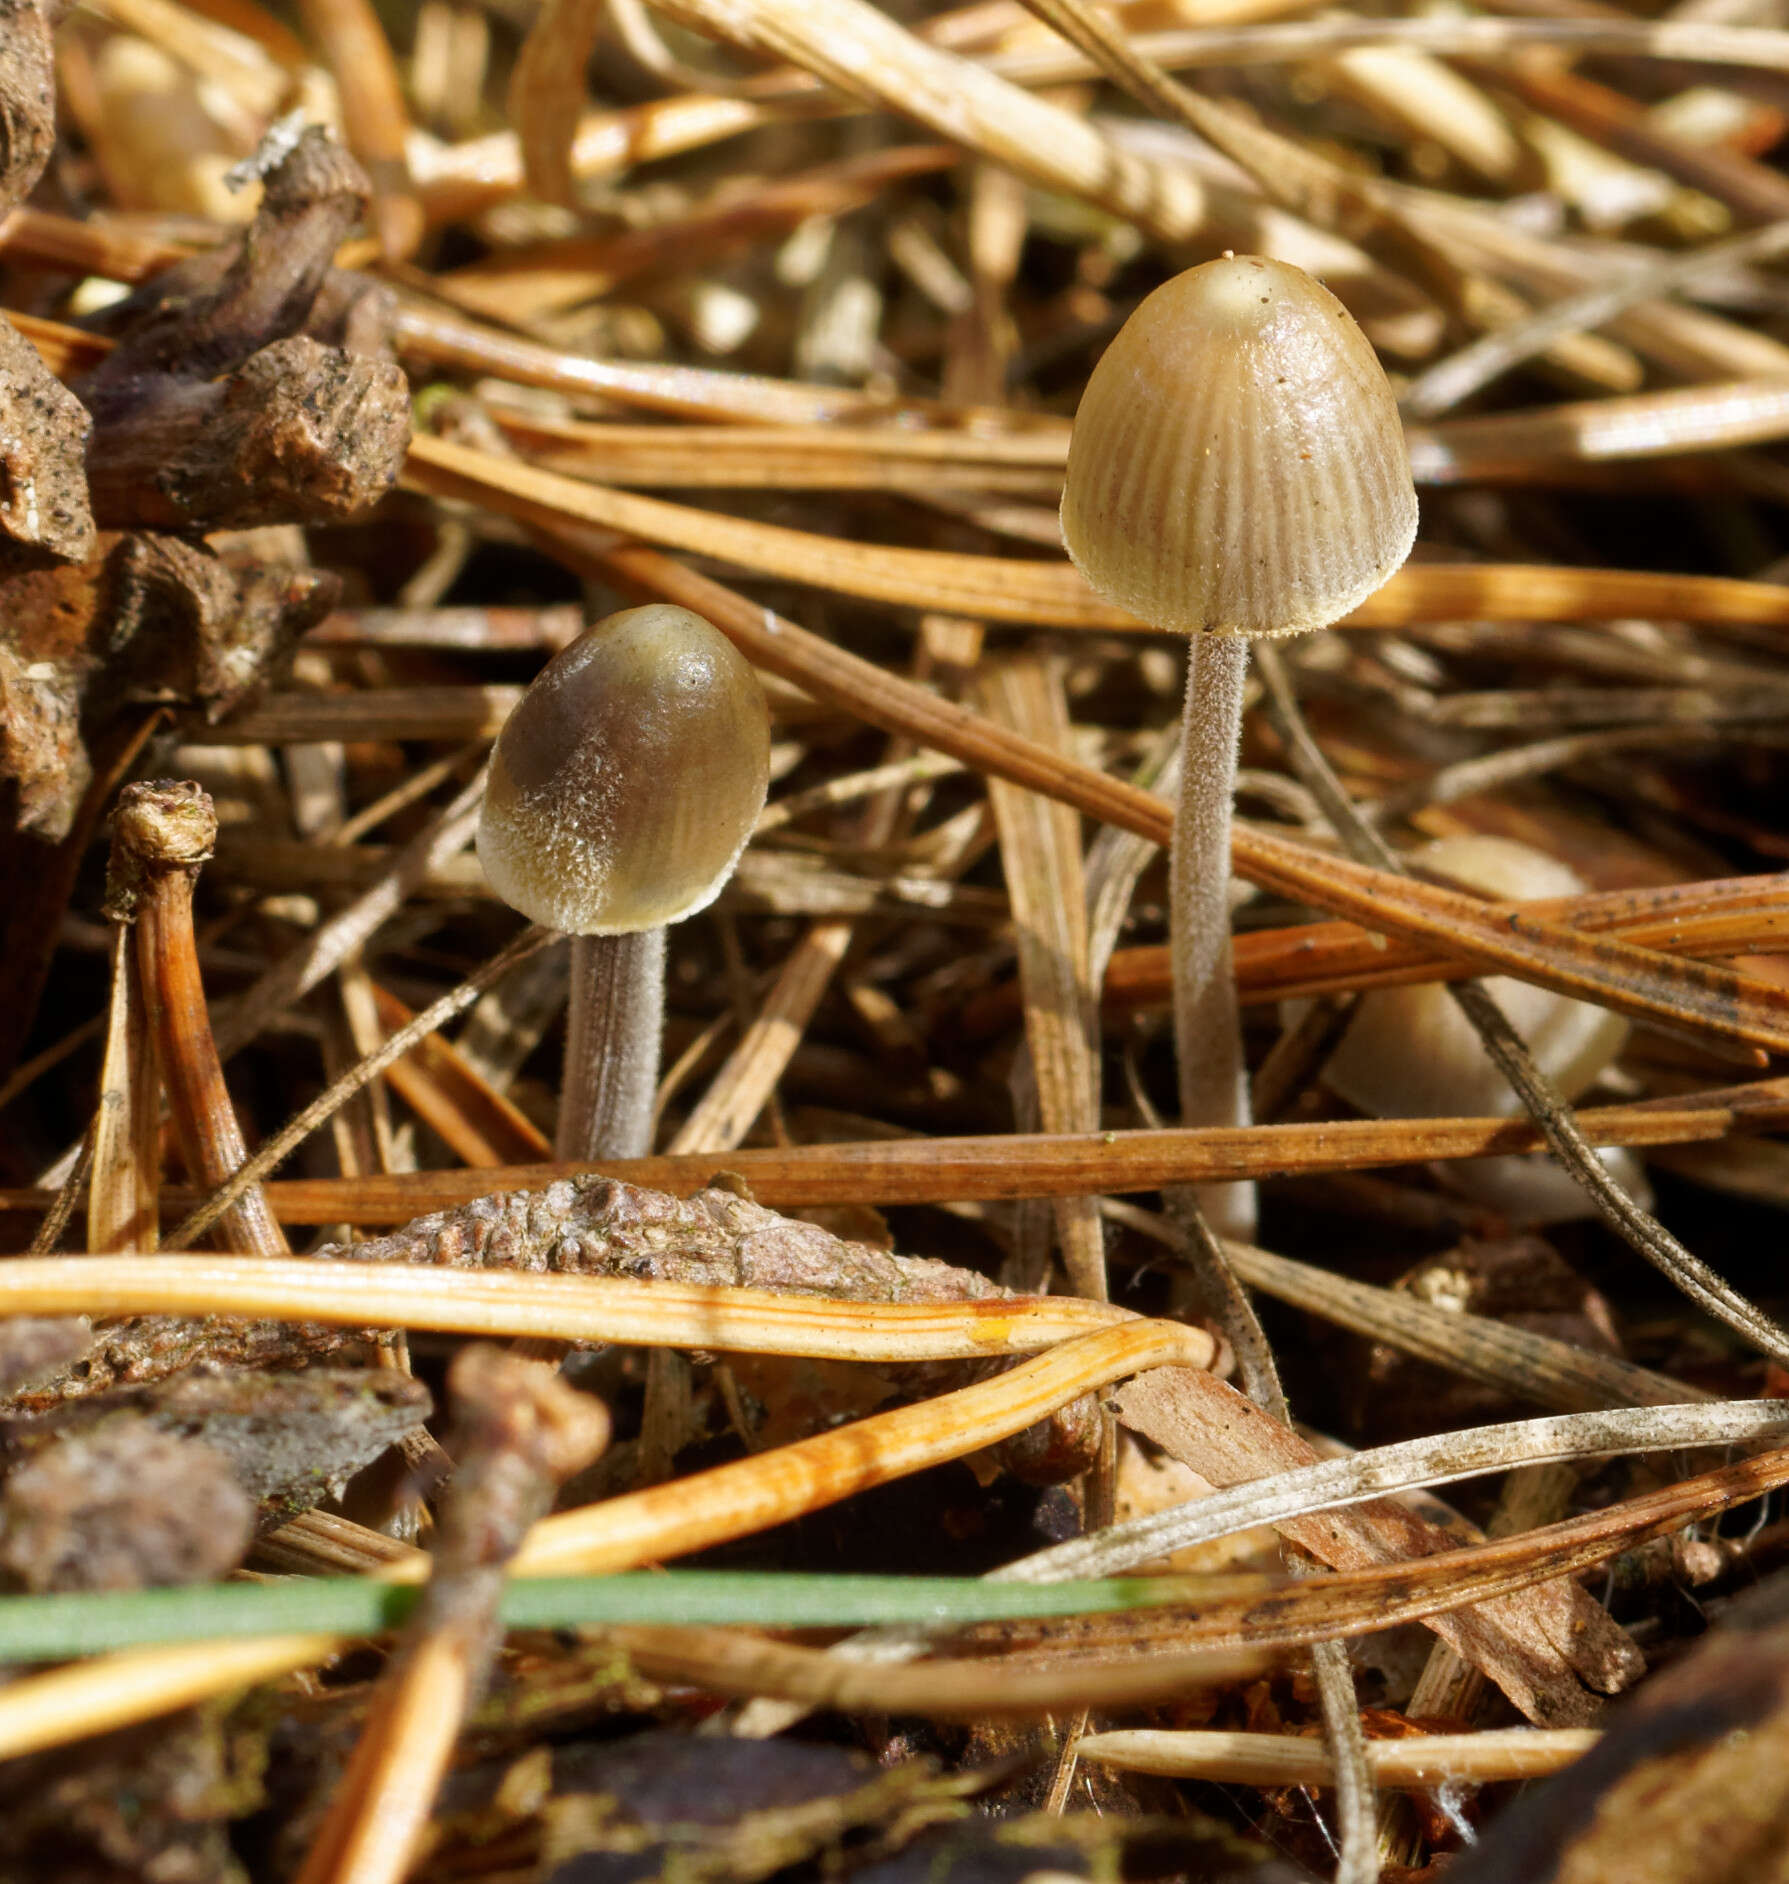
58	1628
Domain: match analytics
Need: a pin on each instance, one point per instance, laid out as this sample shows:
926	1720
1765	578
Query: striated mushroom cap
1238	465
626	782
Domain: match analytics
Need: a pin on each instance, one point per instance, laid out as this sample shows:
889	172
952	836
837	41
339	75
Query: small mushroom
622	791
1409	1053
1237	468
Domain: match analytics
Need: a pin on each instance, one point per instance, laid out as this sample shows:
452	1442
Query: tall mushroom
622	790
1237	468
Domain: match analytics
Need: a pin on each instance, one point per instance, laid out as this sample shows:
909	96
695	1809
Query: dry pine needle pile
851	1369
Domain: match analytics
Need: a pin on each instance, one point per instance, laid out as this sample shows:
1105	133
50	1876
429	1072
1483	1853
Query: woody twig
161	836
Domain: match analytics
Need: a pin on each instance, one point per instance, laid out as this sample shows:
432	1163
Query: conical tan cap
626	782
1238	464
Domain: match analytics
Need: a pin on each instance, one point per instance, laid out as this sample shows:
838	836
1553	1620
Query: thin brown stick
1007	1165
1256	1759
162	834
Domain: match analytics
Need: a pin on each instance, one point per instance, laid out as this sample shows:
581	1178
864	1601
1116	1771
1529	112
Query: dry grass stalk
349	928
1477	1759
731	1661
244	1180
1040	845
443	1089
124	1199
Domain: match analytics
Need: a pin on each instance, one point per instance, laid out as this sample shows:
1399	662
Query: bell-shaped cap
1238	465
626	782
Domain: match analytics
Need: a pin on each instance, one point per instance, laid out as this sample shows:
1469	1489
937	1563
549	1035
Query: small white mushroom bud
1409	1053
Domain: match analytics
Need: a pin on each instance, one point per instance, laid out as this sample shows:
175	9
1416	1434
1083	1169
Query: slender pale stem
1207	1019
612	1045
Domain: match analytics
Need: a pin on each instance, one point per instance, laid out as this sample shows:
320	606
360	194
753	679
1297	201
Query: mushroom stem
1207	1017
612	1045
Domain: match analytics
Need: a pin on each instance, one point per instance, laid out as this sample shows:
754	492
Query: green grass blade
57	1628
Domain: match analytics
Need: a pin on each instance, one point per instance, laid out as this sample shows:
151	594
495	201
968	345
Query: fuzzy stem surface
1207	1018
612	1045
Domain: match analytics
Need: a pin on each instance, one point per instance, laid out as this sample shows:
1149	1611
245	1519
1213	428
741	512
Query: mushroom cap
626	782
1409	1053
1238	464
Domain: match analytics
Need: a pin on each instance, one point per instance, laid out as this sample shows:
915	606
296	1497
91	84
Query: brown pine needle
960	1170
1051	593
1740	915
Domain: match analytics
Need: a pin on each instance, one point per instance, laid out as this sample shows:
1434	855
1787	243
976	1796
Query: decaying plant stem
299	433
161	836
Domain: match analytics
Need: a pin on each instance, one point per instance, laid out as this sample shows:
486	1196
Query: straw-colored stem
1252	1759
1207	1019
125	1195
612	1045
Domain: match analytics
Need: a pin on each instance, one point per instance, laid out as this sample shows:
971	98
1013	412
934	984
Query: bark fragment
87	654
300	433
289	1439
34	1346
594	1226
126	1508
27	97
142	1349
43	446
221	406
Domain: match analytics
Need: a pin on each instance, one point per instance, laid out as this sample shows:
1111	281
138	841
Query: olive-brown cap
626	782
1238	465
